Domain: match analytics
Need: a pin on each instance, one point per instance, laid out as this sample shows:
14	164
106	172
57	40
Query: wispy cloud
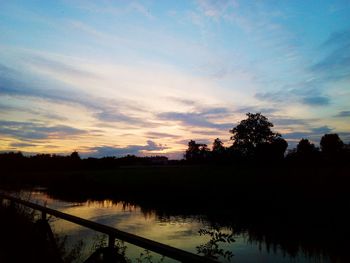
21	145
307	96
289	121
13	83
193	120
56	65
336	64
37	131
313	134
316	101
343	114
112	115
157	135
216	9
106	7
101	151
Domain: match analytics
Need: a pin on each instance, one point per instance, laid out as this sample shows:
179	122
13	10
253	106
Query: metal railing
113	233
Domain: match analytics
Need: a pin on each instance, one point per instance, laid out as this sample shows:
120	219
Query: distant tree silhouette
305	147
204	152
192	150
75	155
306	151
271	150
196	152
331	144
254	131
218	146
219	153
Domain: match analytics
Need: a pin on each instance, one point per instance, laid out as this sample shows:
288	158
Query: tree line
12	161
253	140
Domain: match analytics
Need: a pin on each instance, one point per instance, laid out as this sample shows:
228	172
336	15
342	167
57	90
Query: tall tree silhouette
305	147
196	152
306	150
253	131
218	146
75	156
331	144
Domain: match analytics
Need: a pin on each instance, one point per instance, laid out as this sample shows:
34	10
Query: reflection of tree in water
212	249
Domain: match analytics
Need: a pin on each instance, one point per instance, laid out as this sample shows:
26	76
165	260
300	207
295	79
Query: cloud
157	135
321	130
289	121
21	108
215	111
215	9
313	134
113	115
316	100
13	83
343	114
101	151
330	63
187	102
57	66
277	96
21	145
336	64
337	38
210	133
344	136
106	7
36	131
256	109
305	95
193	119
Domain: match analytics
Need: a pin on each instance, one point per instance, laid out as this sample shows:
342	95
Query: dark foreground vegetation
298	200
24	238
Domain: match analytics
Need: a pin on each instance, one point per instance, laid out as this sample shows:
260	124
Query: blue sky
144	77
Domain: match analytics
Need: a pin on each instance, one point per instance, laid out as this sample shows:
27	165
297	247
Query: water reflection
194	233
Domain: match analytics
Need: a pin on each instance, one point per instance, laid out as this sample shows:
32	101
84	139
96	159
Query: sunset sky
145	77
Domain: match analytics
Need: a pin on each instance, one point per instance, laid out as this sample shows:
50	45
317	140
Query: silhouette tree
331	144
218	146
305	147
218	154
306	150
75	155
253	131
271	150
196	152
192	151
204	152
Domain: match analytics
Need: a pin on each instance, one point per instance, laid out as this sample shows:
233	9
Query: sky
110	78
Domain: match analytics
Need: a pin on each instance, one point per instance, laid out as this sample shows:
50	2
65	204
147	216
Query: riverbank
192	185
25	238
20	241
279	205
311	195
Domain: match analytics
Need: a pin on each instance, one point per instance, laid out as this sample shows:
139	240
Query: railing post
112	233
43	215
11	204
111	240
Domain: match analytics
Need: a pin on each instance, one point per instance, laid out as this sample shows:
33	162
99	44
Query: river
178	231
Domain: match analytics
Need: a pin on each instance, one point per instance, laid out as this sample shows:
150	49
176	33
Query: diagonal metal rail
113	233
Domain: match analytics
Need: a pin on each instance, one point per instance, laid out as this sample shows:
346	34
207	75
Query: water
177	231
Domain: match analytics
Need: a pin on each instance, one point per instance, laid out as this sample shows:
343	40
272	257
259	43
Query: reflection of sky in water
174	231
